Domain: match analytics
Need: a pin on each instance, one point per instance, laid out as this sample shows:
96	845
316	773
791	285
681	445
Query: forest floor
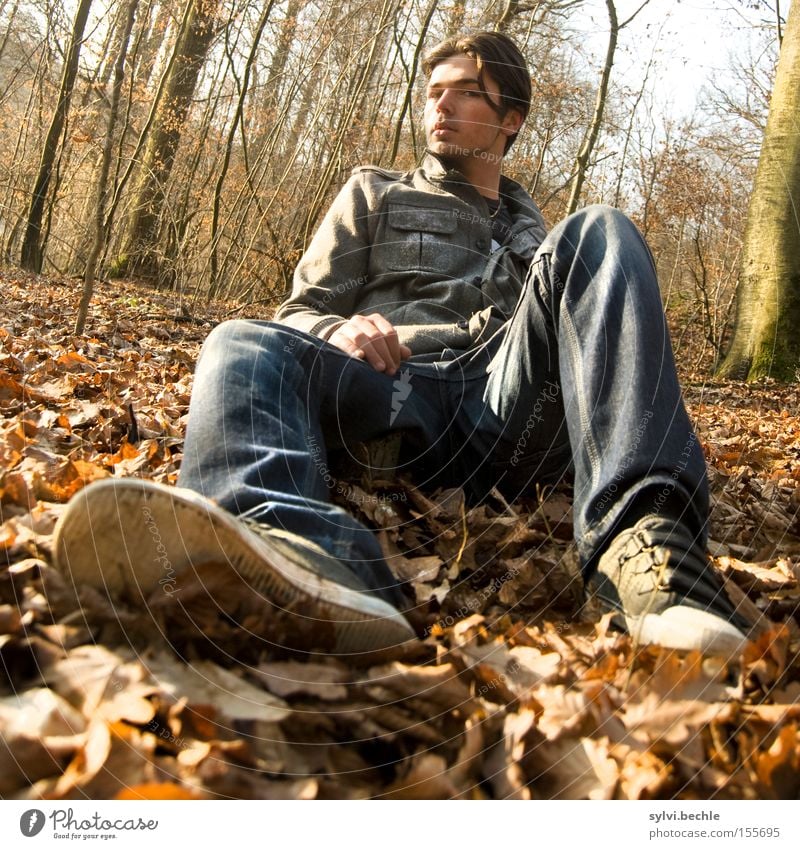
520	690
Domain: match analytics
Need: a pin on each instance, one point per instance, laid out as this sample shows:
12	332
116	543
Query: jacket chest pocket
421	238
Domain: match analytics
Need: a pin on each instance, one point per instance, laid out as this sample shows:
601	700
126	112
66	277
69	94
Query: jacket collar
511	191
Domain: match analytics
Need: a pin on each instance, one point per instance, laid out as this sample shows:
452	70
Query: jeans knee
599	224
240	343
249	334
603	246
602	213
223	335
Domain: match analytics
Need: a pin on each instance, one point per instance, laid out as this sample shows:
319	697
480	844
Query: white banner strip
401	825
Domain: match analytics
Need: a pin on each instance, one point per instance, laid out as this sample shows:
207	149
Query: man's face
459	124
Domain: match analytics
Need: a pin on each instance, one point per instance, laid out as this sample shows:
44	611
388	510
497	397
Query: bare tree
140	254
593	130
33	245
237	119
101	197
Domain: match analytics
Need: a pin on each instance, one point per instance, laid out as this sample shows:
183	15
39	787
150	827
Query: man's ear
512	121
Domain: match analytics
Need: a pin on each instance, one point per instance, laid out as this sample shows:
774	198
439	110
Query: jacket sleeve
325	288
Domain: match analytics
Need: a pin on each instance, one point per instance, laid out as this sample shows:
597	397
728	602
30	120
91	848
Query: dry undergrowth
518	690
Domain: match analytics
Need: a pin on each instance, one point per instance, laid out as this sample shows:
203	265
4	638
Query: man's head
503	77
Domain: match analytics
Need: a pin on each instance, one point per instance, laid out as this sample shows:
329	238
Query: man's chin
445	154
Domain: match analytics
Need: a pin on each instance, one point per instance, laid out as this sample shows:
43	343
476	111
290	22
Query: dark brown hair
500	57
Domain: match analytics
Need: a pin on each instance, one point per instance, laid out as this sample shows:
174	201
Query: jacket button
476	281
481	244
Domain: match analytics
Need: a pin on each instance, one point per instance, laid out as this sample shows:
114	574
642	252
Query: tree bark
765	341
140	255
411	82
105	168
33	245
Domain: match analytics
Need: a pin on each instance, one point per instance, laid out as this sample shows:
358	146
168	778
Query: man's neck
484	176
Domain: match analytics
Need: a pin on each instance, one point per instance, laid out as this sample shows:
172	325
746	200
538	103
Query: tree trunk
766	342
237	118
593	131
410	83
140	254
9	27
280	58
105	168
32	245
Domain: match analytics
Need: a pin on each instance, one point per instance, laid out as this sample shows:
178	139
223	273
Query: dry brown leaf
101	682
288	678
207	683
567	711
506	673
62	482
439	686
767	576
40	732
679	676
502	768
674	721
416	569
426	778
778	768
572	768
643	775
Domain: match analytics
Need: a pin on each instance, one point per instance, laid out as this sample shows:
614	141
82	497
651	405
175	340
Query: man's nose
444	101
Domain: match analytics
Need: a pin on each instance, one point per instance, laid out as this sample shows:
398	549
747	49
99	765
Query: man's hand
371	338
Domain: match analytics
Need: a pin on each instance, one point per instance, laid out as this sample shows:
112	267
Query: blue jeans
580	381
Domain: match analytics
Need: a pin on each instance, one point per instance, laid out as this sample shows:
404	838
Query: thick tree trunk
33	244
766	342
140	254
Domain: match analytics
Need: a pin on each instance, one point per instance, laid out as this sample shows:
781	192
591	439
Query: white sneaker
128	537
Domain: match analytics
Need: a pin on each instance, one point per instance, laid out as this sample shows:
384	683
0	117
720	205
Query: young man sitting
435	303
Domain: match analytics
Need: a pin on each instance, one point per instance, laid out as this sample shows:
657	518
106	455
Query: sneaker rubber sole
686	628
127	536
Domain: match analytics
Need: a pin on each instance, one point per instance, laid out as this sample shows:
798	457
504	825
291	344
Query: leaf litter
518	688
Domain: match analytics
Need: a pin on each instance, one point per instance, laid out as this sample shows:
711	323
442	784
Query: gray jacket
416	248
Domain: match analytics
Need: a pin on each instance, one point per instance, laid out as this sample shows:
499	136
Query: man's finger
372	338
377	352
361	338
389	335
342	339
